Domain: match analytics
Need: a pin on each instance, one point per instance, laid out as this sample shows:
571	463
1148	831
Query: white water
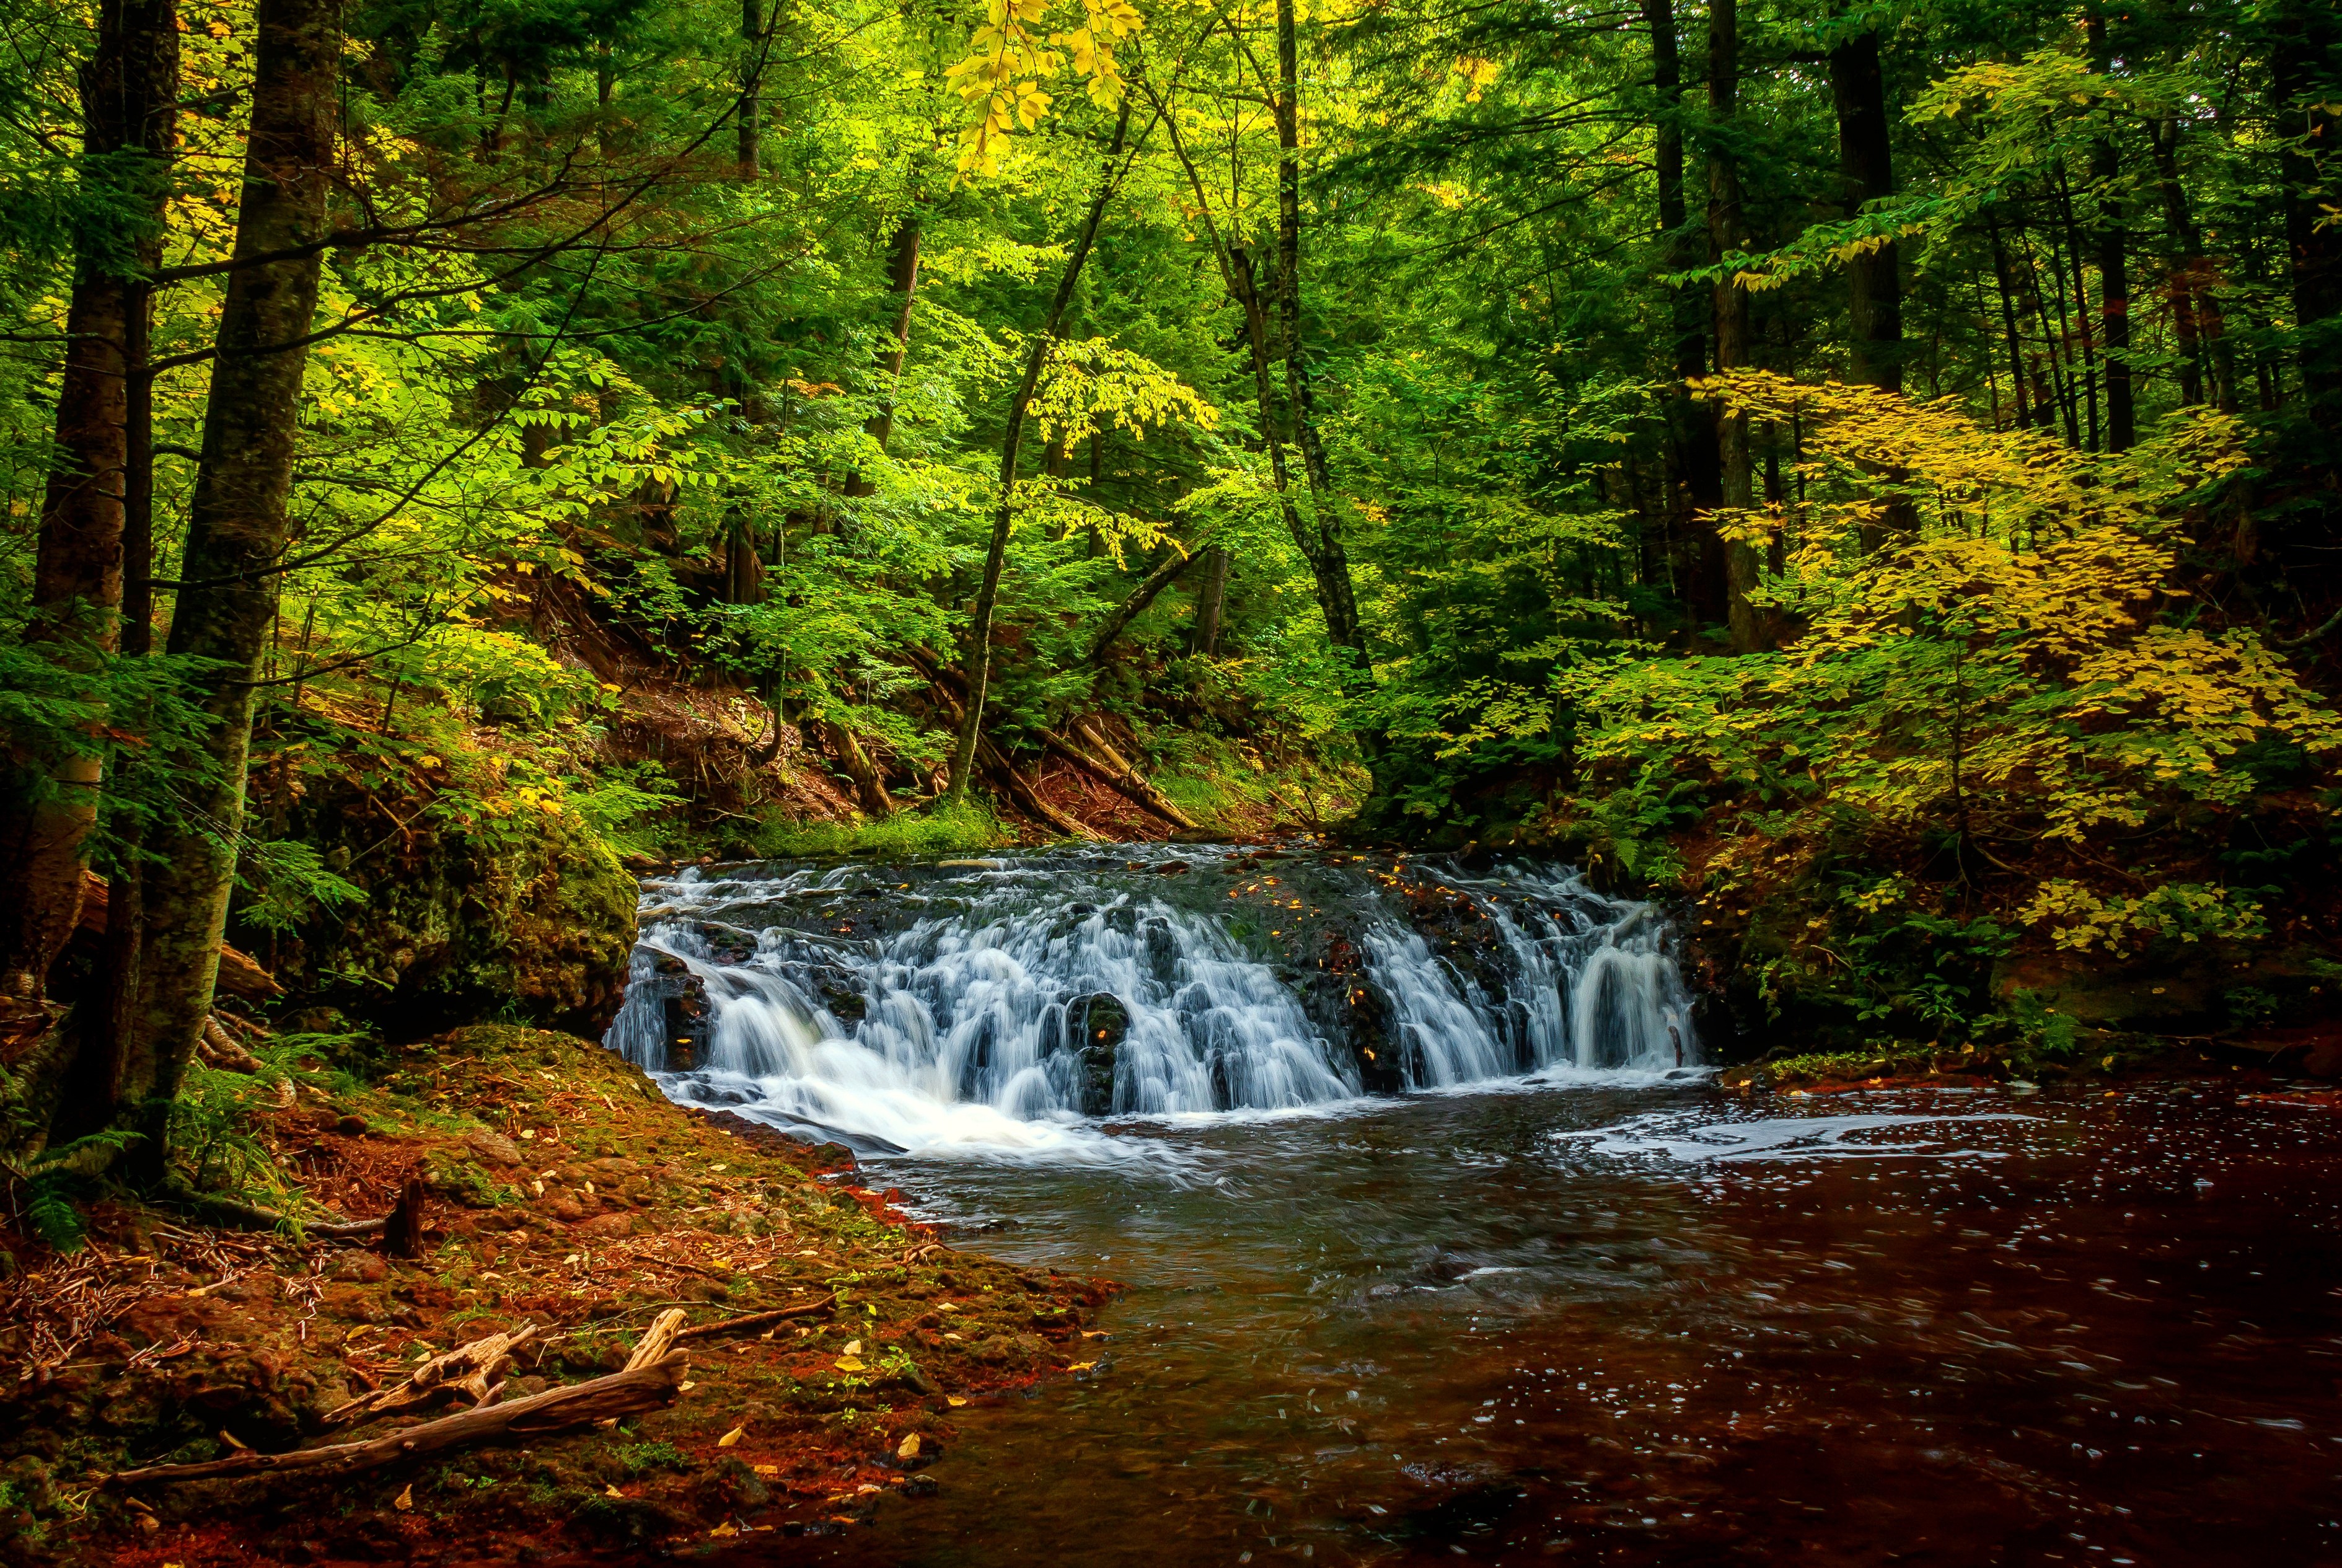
975	986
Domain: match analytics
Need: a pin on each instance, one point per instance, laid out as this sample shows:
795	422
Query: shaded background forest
1867	473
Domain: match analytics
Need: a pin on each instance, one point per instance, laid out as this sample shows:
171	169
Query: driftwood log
622	1394
469	1369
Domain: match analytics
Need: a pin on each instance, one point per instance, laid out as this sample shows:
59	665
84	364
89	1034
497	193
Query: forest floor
564	1192
2302	1061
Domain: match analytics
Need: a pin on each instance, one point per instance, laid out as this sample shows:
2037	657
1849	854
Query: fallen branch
941	680
755	1320
253	1217
622	1394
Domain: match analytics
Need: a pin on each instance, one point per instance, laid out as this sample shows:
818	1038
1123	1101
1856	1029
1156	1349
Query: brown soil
564	1192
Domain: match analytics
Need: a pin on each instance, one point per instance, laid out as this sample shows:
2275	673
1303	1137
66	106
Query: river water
1593	1311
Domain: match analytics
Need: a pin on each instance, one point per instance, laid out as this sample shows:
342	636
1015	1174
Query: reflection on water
1906	1327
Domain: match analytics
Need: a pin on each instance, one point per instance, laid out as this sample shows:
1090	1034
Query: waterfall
992	1005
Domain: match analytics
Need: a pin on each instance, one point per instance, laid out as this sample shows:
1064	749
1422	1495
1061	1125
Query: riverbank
561	1191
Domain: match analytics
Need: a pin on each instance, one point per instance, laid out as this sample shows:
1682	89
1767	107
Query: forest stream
1549	1294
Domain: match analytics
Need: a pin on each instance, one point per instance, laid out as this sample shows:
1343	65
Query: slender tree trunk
902	283
2113	277
2001	274
1211	600
1726	236
979	636
2081	309
238	527
1288	248
1319	543
1691	425
1328	558
1865	163
2206	365
750	156
129	91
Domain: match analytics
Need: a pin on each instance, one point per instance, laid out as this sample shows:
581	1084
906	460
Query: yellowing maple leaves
1010	56
1988	635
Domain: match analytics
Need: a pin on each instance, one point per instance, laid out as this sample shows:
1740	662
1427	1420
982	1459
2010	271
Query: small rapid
1006	1006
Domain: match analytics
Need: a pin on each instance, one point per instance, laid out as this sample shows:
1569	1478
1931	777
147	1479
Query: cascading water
996	1004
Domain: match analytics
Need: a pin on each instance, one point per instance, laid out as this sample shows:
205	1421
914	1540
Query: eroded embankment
564	1192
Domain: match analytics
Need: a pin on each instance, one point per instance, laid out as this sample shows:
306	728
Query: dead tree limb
621	1394
755	1320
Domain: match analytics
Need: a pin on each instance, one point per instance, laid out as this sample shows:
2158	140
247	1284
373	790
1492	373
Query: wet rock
1095	1026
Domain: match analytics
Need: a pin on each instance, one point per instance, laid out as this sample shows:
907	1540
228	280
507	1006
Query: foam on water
974	986
1844	1138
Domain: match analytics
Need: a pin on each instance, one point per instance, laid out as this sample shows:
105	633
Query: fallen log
755	1320
1109	768
622	1394
1130	609
1027	796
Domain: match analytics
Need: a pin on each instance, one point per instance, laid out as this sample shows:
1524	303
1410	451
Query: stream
1541	1294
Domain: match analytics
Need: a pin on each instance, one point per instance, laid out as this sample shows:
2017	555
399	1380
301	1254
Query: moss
945	827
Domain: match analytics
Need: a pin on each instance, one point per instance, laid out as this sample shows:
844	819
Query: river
1590	1309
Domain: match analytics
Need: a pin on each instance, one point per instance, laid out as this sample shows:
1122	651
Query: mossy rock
531	921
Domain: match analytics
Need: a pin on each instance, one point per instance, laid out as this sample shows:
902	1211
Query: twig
755	1320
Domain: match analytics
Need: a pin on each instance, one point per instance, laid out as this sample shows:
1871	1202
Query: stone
492	1148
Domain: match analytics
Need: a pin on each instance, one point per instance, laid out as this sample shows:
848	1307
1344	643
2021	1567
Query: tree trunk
2113	278
750	155
2196	321
1865	162
868	787
1174	565
1329	560
1211	600
238	527
1732	336
129	92
1691	425
902	283
979	643
2308	35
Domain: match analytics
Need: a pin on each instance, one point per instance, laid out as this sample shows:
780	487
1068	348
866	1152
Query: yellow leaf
768	1470
955	1401
723	1530
612	1491
851	1363
732	1438
910	1448
1082	1366
404	1500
